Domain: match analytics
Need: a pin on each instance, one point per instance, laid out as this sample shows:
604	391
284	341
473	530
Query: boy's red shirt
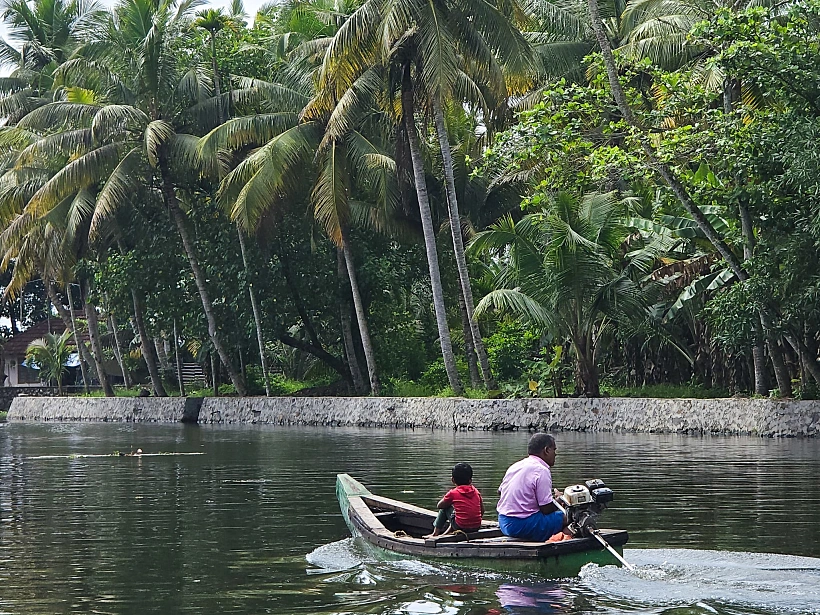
466	500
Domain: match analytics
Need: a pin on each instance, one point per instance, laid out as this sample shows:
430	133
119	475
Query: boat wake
666	581
337	556
711	580
355	555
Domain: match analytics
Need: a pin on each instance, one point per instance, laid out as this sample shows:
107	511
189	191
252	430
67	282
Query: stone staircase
192	373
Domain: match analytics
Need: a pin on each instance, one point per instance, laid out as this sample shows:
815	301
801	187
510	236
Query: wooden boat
399	528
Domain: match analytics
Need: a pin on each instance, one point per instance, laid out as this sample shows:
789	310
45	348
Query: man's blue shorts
537	527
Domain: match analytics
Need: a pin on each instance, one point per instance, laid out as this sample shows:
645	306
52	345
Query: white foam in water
337	556
685	577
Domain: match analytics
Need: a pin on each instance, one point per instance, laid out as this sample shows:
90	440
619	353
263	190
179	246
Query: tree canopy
360	196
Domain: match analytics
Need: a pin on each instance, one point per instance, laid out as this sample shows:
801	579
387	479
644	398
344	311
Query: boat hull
395	529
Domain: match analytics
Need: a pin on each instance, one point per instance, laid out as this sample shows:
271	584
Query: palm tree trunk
126	378
298	302
67	318
587	369
96	346
469	349
761	374
408	110
361	316
199	277
149	354
347	329
12	318
83	369
162	355
808	358
458	244
178	361
781	371
257	312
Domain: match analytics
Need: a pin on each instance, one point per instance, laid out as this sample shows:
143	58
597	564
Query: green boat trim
397	528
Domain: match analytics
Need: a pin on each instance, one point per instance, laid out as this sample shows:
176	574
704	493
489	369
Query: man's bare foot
435	533
561	536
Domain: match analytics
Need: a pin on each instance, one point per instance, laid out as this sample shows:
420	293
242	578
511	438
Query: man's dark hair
462	474
539	442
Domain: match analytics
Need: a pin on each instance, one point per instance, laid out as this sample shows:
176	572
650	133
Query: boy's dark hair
462	474
539	442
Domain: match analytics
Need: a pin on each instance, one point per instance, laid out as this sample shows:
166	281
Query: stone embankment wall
761	417
7	394
110	409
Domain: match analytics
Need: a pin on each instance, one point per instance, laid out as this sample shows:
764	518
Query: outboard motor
584	503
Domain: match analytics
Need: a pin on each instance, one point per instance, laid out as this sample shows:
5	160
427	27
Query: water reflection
536	598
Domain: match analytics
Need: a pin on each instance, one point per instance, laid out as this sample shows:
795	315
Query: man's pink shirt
527	485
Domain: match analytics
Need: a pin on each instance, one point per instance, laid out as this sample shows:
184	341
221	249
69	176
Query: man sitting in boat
462	507
526	507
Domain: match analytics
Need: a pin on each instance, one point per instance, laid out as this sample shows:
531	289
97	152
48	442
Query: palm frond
157	133
69	143
256	184
349	53
353	102
120	186
83	172
516	303
183	150
241	132
59	114
437	50
331	192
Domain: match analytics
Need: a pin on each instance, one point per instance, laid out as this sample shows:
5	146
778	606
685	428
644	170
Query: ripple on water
677	577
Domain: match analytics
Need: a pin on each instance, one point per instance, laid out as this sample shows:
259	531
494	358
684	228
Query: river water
251	524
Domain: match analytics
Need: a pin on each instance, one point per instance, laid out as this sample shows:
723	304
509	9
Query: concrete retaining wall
760	417
7	394
112	409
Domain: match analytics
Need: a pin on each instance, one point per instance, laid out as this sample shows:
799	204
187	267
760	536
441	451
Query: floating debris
137	453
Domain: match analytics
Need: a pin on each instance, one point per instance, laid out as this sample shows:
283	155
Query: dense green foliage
287	201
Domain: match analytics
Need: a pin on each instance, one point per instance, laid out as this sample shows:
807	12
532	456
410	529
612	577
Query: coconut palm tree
660	29
42	35
346	162
440	49
123	131
213	21
268	178
49	354
47	246
563	273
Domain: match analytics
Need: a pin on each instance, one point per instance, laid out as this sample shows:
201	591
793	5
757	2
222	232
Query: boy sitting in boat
462	507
